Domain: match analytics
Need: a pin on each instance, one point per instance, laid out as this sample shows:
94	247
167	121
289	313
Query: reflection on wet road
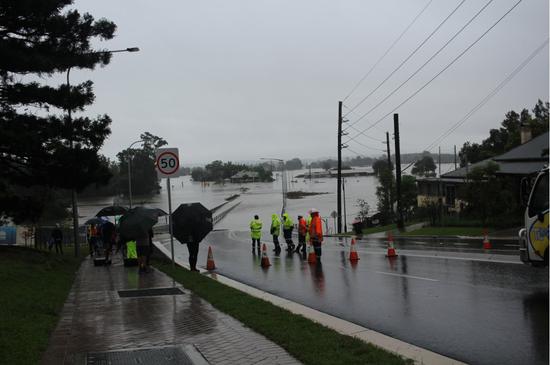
476	311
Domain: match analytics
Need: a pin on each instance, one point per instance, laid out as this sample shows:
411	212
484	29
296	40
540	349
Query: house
245	177
520	162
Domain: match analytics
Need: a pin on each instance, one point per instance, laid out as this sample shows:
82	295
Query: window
539	198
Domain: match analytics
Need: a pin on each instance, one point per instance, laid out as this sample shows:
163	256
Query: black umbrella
111	211
137	222
94	220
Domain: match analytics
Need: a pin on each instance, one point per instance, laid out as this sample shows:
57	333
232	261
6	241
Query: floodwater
263	199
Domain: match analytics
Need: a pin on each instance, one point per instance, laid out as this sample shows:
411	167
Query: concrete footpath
114	315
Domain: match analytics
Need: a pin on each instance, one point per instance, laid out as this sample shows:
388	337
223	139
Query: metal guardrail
222	215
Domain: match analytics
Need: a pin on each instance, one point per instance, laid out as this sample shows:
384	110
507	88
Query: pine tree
40	144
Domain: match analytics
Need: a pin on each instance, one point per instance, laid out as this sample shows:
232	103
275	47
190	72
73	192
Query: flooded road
478	312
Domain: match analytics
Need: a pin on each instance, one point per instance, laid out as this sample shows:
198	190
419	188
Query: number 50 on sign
167	162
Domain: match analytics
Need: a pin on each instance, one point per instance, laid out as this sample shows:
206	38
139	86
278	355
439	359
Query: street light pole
130	171
70	122
283	179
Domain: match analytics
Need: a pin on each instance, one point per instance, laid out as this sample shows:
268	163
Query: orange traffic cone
265	259
353	251
210	260
486	242
311	257
391	249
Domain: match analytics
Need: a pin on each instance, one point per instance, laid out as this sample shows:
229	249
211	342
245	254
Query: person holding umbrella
137	223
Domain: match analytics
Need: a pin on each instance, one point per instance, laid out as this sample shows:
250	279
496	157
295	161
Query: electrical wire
426	63
388	50
369	147
486	99
440	72
409	56
357	130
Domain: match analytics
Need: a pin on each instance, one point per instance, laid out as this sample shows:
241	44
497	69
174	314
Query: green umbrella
137	222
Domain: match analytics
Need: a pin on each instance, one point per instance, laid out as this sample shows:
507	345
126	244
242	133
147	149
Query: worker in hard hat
256	231
302	231
288	226
316	233
275	231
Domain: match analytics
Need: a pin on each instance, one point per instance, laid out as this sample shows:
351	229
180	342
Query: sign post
168	165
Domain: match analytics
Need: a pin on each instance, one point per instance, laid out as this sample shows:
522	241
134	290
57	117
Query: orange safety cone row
353	251
486	242
265	259
210	260
311	257
391	249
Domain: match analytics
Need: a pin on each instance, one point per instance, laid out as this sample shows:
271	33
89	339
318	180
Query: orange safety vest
302	228
316	227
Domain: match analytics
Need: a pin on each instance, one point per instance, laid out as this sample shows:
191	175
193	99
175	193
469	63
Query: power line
409	56
369	147
490	95
440	72
425	63
486	99
387	51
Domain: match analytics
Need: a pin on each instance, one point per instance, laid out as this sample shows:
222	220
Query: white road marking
405	276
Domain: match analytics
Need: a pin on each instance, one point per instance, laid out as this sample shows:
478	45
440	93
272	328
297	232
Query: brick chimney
525	133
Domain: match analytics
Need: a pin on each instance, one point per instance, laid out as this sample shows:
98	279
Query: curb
417	354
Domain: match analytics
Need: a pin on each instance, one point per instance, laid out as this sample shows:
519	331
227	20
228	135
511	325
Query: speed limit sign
167	162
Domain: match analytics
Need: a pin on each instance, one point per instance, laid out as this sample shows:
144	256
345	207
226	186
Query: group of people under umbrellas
132	234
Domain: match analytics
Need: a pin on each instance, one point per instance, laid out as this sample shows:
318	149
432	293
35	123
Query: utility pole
455	156
339	184
398	170
388	197
345	213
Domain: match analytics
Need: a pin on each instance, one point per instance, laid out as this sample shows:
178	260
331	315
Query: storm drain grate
158	356
135	293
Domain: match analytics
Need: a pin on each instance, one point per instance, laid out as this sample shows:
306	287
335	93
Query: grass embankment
389	227
306	340
35	285
446	231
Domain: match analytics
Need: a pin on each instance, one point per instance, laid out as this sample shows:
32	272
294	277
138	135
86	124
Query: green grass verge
446	231
307	341
379	229
35	285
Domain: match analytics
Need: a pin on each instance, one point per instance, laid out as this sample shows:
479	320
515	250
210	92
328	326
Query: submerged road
455	300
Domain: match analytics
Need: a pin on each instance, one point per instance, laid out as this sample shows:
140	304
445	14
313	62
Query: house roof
529	151
525	159
245	174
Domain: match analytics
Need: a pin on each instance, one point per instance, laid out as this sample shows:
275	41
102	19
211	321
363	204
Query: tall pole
388	196
130	178
398	171
345	213
130	171
169	188
284	187
74	197
455	156
339	183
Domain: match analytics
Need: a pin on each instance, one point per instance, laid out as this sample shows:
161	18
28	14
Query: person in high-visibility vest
316	233
275	231
256	231
302	231
288	226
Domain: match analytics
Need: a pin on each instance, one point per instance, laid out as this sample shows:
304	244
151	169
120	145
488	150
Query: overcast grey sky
244	79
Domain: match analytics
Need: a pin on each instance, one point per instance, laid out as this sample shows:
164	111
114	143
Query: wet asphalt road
455	303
